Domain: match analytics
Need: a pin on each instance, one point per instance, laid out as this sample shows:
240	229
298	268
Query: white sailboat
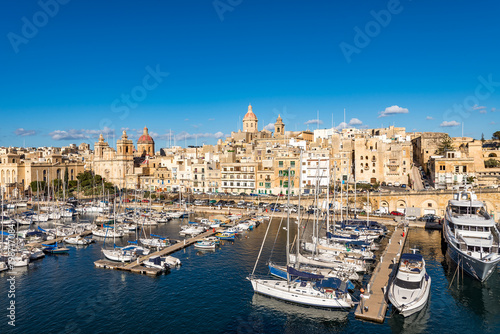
327	293
118	254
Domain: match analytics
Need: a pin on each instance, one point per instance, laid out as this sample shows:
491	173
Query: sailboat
125	254
318	292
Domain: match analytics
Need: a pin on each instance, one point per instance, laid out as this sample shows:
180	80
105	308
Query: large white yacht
471	235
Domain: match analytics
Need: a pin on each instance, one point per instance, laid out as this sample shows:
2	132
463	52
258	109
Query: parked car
379	212
411	218
396	213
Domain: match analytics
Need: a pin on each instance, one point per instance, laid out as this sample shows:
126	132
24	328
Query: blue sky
78	68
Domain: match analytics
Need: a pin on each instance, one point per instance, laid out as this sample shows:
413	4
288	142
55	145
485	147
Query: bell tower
279	127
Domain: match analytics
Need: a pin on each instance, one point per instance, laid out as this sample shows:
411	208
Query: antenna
344	119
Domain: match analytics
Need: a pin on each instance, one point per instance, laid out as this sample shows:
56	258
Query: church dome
250	115
145	138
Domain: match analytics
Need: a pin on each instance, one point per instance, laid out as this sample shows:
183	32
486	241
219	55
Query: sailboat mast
334	194
288	229
328	199
297	265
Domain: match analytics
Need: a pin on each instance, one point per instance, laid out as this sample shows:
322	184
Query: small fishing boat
409	290
205	244
158	263
225	235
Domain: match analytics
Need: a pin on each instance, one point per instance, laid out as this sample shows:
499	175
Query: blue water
209	294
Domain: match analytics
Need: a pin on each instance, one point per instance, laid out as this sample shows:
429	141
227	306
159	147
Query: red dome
145	138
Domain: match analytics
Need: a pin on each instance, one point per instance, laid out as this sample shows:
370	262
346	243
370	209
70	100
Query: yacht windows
407	285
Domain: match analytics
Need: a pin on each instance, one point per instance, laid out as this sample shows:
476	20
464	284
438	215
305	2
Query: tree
35	185
470	179
445	145
66	175
496	135
482	138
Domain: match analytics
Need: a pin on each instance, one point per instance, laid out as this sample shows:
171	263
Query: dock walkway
137	266
374	307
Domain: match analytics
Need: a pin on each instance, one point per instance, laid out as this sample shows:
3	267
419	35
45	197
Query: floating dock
137	267
374	307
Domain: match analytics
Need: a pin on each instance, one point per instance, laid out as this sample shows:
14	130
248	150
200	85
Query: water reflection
268	304
414	324
483	299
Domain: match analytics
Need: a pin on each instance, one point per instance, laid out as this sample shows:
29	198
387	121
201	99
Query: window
261	184
464	169
292	163
429	205
280	163
457	169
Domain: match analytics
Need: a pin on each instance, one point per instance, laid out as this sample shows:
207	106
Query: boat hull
415	306
280	290
481	270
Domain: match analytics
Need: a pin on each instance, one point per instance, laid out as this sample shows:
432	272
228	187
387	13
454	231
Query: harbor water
210	294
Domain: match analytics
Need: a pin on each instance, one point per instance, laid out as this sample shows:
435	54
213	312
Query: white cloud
493	109
341	126
393	110
188	136
355	121
72	134
314	121
449	124
476	107
269	127
186	119
483	111
429	118
493	123
352	123
67	135
22	132
211	119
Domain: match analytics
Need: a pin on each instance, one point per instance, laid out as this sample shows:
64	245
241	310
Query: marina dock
137	267
374	307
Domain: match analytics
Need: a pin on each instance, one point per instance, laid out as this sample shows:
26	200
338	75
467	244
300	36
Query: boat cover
303	274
